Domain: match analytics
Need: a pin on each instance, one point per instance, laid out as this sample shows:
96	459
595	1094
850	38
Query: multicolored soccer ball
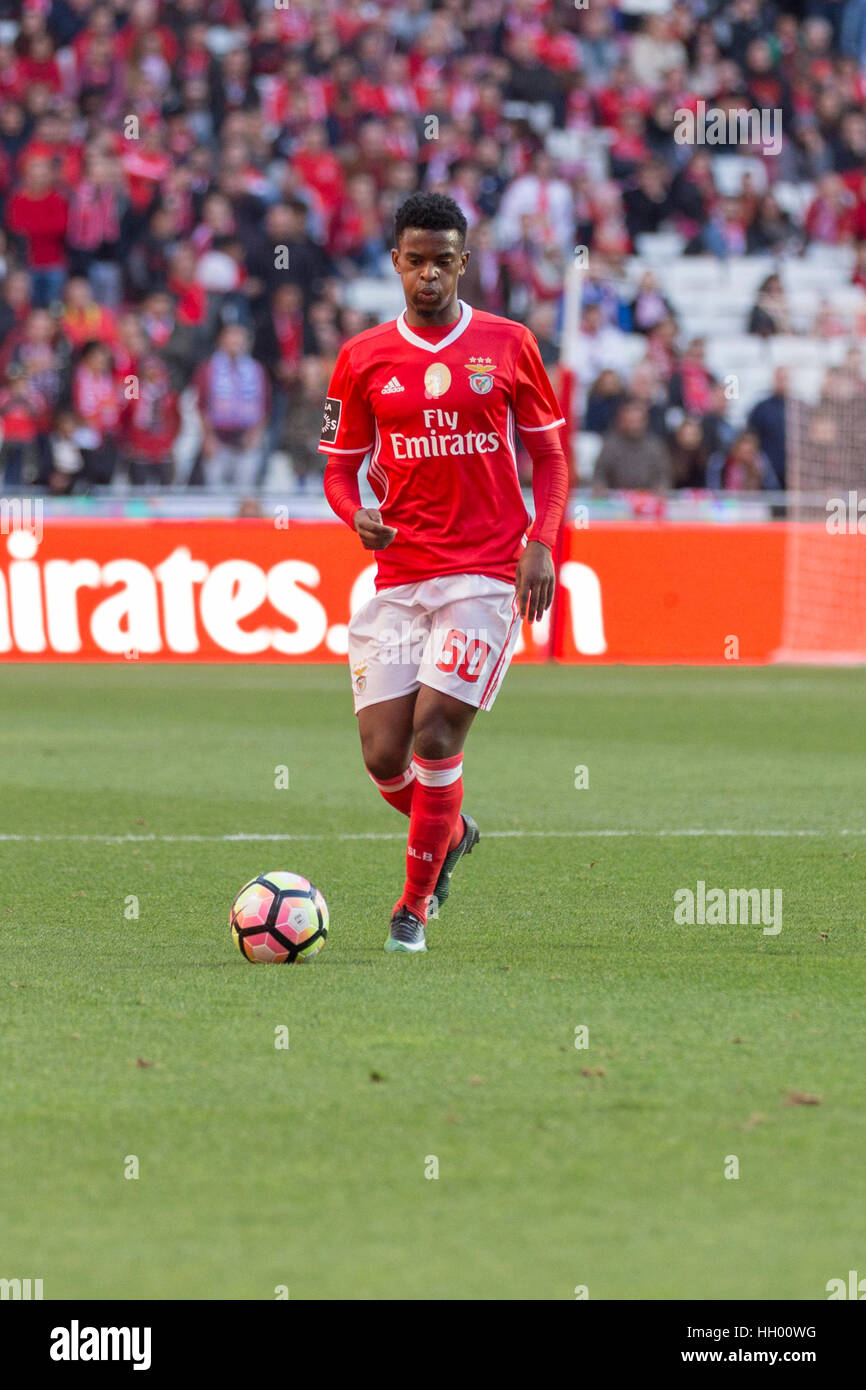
279	918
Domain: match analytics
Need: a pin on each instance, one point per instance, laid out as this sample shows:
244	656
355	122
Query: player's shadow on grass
369	957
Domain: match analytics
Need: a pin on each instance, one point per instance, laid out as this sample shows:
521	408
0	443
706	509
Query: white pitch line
370	835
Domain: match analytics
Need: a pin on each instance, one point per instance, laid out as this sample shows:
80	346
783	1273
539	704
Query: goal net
824	611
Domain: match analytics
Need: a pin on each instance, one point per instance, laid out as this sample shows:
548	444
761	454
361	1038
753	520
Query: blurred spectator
94	230
598	346
96	398
604	400
483	284
279	346
693	194
599	287
646	202
530	79
534	270
767	422
662	349
234	402
301	433
177	343
21	407
66	454
688	455
610	235
691	384
724	230
357	226
632	458
770	311
286	252
38	214
33	352
82	320
771	229
831	216
656	50
545	200
646	386
649	305
15	302
192	309
717	429
542	322
150	426
743	468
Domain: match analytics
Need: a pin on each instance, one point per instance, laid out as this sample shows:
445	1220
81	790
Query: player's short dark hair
431	212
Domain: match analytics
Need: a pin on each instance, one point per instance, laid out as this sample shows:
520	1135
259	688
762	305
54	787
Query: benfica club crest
481	371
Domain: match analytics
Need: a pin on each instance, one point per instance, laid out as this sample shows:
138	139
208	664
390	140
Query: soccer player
436	395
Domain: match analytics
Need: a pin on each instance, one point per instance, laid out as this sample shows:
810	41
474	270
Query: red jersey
439	408
41	221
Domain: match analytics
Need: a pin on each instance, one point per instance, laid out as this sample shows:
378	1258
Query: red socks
434	822
398	792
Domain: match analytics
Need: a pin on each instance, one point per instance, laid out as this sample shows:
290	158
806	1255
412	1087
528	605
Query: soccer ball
279	918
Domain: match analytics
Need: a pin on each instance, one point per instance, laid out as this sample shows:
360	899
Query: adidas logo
392	386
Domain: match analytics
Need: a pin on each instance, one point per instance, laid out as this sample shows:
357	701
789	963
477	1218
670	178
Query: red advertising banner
251	590
245	590
657	592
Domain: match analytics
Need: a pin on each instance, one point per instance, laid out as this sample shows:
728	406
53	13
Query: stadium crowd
190	188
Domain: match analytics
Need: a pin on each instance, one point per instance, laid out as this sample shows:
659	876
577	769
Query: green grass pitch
558	1167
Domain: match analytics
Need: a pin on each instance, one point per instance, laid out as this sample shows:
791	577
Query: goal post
568	384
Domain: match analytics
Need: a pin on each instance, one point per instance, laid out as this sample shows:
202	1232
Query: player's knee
383	761
436	736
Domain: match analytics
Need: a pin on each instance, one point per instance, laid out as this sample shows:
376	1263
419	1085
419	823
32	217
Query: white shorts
456	634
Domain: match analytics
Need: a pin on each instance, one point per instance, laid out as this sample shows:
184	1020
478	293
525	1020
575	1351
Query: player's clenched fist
372	530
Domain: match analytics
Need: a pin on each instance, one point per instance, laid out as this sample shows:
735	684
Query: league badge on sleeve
331	419
481	371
